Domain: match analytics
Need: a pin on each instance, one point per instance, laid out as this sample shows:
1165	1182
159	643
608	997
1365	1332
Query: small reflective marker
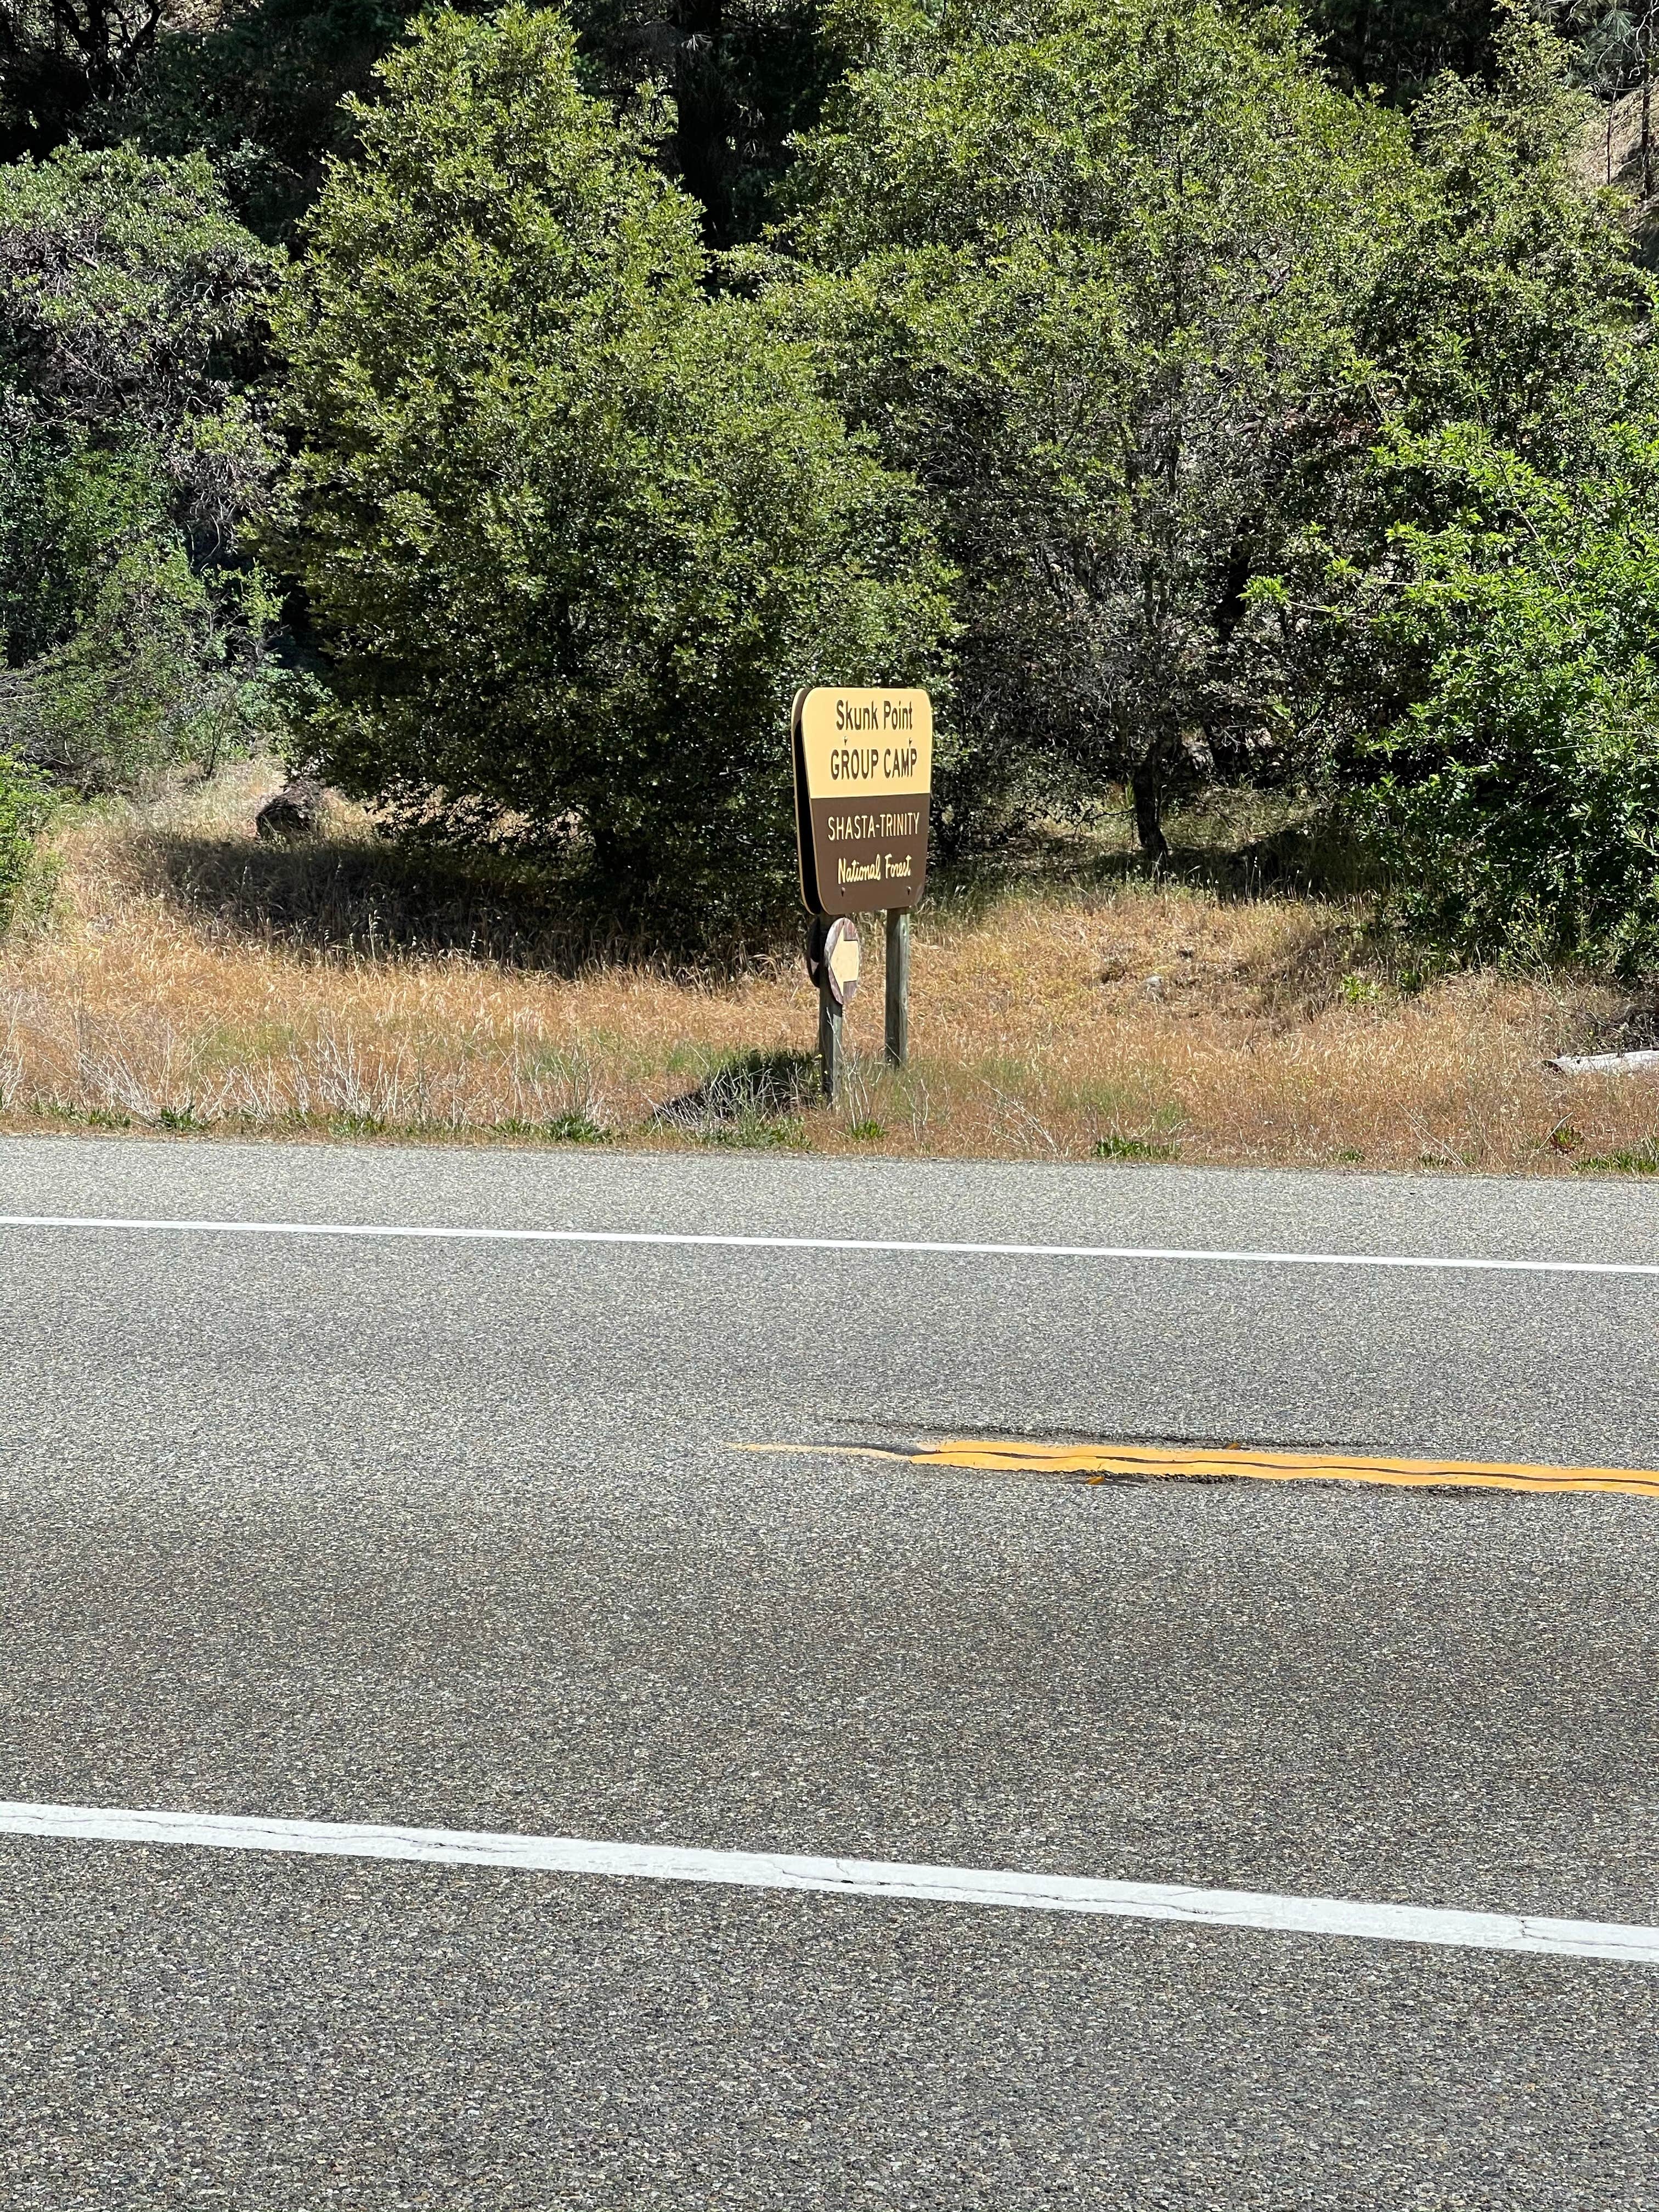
842	959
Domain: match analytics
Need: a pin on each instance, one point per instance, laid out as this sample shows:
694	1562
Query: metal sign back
843	958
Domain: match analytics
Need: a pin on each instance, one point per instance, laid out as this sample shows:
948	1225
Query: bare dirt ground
192	979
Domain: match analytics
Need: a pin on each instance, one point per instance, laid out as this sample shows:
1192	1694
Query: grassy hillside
194	979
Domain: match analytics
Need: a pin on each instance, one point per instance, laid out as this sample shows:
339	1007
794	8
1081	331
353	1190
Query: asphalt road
452	1534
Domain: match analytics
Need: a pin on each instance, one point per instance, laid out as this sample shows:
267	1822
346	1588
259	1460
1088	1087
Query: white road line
840	1877
1199	1255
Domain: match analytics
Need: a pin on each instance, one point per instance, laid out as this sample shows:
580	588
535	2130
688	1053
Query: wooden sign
864	780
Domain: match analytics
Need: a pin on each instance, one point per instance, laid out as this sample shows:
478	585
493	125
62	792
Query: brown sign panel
864	779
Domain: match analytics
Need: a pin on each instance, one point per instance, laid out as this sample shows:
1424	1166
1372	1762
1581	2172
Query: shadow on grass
360	898
748	1098
1238	845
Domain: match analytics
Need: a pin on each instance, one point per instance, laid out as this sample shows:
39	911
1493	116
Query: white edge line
674	1237
850	1877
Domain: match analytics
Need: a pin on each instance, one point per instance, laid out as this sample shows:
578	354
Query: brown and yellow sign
864	779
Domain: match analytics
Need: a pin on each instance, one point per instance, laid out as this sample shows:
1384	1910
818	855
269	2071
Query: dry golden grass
192	979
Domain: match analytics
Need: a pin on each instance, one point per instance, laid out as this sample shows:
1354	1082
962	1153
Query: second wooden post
898	985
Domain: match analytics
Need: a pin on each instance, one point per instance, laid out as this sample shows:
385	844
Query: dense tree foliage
1182	390
132	449
1490	592
573	529
261	87
1404	45
1093	275
1512	300
743	77
59	58
1517	794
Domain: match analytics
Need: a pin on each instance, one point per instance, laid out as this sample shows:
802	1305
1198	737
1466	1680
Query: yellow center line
1164	1462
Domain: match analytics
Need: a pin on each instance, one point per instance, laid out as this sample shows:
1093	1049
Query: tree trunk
1146	785
704	116
1647	104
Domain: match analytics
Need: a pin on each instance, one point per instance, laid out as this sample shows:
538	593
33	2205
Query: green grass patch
563	1129
1133	1148
48	1109
357	1124
753	1133
1643	1161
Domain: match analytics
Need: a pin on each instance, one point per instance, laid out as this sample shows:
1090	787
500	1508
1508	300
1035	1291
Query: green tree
133	449
1089	273
133	307
1476	600
1511	299
261	87
744	76
1517	795
571	528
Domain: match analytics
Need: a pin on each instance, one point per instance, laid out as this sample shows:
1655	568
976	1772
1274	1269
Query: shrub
571	529
132	452
1483	629
1516	798
161	673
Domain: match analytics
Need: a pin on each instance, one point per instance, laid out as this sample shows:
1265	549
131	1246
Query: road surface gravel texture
451	1533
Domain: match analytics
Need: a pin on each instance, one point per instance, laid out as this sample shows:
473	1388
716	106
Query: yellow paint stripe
1233	1462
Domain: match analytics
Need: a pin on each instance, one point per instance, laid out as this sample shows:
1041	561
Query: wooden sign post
834	958
864	780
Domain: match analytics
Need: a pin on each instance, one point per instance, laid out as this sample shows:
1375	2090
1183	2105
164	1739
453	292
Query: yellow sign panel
867	744
864	777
